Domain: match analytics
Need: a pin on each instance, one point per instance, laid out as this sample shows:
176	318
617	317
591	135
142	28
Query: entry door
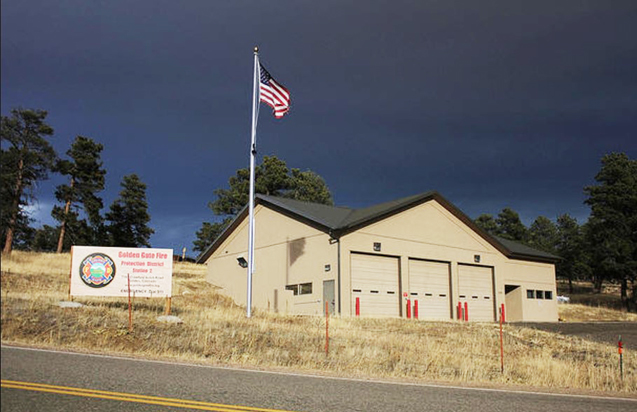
475	287
429	285
375	284
329	296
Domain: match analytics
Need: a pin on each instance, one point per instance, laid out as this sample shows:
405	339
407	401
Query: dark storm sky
492	103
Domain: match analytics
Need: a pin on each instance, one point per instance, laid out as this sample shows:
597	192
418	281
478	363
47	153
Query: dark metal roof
520	251
328	216
338	221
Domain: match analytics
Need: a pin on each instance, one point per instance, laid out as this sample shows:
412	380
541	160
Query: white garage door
429	285
475	286
375	284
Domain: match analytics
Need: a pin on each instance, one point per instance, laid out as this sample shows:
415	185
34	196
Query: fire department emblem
97	270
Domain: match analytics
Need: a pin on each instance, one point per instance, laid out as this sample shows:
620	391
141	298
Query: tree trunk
8	244
597	284
570	284
624	293
63	223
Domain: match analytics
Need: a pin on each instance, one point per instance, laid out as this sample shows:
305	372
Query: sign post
620	349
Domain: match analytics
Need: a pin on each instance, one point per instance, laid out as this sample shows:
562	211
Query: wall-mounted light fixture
242	262
476	258
328	268
376	246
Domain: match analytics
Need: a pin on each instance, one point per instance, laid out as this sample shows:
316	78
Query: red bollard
459	311
502	314
415	309
466	312
408	309
358	306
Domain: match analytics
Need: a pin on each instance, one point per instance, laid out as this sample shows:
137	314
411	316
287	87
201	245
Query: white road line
305	375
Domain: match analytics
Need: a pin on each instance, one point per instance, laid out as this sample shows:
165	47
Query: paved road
250	389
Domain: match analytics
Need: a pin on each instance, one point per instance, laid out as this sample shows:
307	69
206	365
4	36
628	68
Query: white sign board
105	271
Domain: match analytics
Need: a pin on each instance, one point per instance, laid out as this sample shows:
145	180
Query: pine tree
128	217
487	223
612	227
86	178
510	226
543	235
209	232
571	248
273	178
27	159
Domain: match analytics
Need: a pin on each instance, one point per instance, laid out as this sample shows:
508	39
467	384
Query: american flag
273	94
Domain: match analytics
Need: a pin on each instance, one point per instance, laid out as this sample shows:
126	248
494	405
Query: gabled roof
524	252
338	221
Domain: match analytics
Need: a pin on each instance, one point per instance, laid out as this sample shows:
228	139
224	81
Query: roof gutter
334	238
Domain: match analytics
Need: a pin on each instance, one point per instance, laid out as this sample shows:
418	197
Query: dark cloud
493	103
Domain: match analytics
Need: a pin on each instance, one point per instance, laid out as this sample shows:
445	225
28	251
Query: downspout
337	240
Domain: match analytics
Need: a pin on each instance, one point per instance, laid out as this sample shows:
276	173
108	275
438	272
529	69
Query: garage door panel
375	284
475	286
429	284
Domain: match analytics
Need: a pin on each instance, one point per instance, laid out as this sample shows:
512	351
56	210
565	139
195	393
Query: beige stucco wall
290	252
535	276
287	252
430	231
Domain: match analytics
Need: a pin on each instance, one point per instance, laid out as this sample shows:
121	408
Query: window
539	294
530	294
305	289
300	289
548	294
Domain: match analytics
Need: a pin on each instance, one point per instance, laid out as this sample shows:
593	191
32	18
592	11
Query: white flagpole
253	154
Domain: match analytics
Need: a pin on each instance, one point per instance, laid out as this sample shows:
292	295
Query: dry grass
217	332
587	306
578	312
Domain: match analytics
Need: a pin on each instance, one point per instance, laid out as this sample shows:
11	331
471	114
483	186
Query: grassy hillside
215	331
586	305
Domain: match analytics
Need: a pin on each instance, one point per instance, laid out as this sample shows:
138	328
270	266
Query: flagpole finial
256	49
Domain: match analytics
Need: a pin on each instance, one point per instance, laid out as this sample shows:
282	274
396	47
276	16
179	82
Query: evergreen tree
46	239
612	227
208	233
273	178
86	178
307	186
26	160
128	215
571	248
487	223
543	235
510	226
